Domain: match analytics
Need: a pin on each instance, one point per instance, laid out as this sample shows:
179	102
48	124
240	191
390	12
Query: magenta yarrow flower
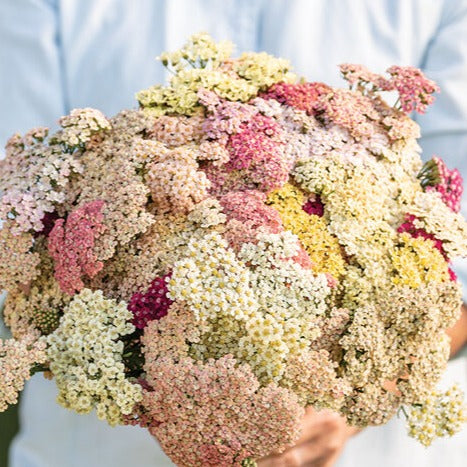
48	222
314	206
152	304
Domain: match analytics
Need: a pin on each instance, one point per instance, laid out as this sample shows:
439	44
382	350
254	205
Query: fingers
315	423
323	437
322	451
319	447
288	459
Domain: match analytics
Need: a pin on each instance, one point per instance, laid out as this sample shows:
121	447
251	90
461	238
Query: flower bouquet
242	246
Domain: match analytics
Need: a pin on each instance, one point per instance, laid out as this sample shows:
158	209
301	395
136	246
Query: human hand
324	435
458	332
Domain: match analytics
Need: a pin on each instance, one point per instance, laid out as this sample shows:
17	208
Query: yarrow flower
86	357
350	110
314	206
35	156
18	261
361	76
436	176
175	181
71	245
17	358
202	63
247	213
210	430
418	261
414	88
153	304
38	305
301	96
441	414
306	222
80	126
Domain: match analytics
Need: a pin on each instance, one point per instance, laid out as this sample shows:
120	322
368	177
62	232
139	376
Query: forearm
458	333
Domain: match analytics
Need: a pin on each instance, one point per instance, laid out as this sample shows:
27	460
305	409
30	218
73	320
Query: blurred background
8	428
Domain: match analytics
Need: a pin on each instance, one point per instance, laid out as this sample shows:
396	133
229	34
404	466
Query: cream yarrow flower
440	414
80	126
85	356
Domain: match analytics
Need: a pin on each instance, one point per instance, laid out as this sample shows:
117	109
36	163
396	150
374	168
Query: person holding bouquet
60	55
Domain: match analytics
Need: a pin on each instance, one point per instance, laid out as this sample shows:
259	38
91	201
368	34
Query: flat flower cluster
244	245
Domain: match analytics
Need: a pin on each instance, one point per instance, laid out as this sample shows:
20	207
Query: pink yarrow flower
302	96
414	88
71	245
360	75
214	412
257	148
252	142
247	213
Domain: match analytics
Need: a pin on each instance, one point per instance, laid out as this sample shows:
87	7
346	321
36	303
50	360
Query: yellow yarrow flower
416	261
322	247
263	70
204	64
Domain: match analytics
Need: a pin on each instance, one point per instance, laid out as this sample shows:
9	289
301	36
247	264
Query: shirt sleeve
444	127
31	81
